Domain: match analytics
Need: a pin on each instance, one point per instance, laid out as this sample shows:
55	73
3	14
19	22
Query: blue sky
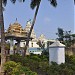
48	18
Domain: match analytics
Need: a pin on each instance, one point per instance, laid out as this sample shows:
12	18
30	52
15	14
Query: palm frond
34	3
53	2
4	2
21	0
13	1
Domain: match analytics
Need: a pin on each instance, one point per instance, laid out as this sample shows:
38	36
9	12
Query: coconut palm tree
3	51
36	4
3	55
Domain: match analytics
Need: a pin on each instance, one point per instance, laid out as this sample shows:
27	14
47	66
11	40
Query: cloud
47	19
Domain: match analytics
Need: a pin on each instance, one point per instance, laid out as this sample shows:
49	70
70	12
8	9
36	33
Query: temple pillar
18	45
11	46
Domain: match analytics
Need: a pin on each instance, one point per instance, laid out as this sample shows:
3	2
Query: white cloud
47	19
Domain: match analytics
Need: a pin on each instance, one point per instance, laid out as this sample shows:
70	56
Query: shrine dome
15	30
15	27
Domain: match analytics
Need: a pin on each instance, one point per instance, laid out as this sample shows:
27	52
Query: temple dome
16	29
42	37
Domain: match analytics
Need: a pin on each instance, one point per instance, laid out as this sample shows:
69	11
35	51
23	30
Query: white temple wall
31	44
22	44
53	57
57	55
61	55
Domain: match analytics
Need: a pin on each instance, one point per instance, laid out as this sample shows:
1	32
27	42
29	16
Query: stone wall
70	50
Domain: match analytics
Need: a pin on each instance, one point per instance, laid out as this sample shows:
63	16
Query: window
32	44
24	44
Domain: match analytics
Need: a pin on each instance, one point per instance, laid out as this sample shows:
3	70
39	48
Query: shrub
13	68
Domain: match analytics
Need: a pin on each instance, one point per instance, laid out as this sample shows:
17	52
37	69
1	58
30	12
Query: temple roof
16	30
27	29
42	37
57	44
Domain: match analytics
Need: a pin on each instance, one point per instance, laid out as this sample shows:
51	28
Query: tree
73	38
3	55
60	34
36	4
13	68
67	36
3	51
41	44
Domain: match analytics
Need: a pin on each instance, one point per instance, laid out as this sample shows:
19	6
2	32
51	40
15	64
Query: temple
17	33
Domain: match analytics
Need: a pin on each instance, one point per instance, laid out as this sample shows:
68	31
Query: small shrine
16	32
57	52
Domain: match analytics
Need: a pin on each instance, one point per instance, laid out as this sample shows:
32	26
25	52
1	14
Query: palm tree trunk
33	22
3	55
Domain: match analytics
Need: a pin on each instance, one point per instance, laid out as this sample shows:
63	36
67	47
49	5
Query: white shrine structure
57	52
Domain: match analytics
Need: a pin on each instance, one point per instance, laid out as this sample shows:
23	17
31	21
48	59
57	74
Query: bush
27	71
13	68
40	64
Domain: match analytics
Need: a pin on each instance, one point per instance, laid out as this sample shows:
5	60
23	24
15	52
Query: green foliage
66	37
31	73
7	46
13	68
35	58
39	64
60	34
34	3
27	71
53	2
16	58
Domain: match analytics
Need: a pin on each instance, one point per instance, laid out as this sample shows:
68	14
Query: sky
48	18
